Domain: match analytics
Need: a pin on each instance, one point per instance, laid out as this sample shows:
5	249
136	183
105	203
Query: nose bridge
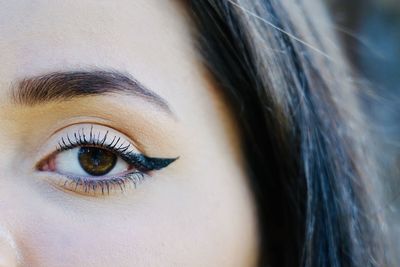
9	254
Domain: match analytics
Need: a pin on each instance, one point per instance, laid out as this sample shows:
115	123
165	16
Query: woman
161	133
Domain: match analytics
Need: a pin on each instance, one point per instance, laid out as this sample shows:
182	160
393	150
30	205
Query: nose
8	249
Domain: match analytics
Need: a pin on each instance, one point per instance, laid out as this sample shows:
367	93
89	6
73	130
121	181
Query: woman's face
117	149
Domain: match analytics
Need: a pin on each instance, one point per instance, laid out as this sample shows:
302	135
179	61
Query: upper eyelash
81	140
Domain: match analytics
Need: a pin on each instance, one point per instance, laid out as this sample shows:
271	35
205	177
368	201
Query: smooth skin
198	211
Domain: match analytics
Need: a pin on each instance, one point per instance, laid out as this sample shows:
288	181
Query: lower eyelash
103	186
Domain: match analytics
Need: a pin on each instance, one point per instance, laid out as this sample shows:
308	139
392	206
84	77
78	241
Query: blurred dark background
370	31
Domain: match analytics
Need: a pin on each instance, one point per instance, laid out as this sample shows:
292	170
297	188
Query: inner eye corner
44	164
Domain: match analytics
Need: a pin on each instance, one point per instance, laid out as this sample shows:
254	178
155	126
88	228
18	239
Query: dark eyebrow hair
63	86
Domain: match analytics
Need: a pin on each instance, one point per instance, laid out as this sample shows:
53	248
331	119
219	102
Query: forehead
147	38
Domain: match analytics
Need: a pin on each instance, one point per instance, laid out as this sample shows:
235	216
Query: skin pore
196	211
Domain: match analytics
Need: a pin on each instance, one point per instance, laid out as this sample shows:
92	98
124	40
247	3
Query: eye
85	161
96	159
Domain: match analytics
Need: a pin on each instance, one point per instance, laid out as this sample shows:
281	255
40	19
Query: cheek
199	220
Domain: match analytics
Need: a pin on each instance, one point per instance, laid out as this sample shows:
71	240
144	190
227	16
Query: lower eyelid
90	186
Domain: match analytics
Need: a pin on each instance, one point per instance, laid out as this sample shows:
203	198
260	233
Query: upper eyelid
139	160
50	146
134	155
106	124
118	143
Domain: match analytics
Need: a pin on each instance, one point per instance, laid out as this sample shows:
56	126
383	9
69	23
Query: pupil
96	161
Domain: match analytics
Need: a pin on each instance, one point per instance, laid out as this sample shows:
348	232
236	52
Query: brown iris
96	161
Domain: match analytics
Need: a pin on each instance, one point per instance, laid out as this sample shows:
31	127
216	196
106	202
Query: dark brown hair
280	67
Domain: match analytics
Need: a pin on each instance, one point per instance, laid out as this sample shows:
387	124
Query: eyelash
104	185
80	140
141	163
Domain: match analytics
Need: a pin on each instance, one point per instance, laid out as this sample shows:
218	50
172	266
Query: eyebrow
64	86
